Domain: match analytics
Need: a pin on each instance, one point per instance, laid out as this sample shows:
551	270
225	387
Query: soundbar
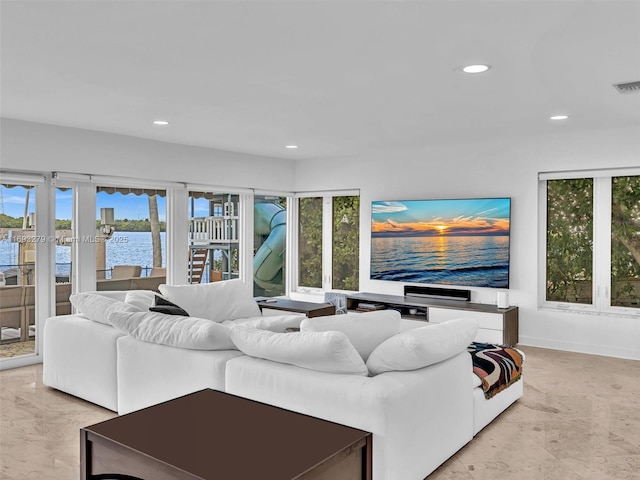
434	292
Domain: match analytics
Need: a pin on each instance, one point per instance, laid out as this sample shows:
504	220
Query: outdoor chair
125	271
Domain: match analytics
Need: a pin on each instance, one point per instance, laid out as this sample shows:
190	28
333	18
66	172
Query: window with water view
130	238
17	269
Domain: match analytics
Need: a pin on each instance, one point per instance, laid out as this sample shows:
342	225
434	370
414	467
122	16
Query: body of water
124	248
472	261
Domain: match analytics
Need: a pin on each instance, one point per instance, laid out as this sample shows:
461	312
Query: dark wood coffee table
310	309
214	435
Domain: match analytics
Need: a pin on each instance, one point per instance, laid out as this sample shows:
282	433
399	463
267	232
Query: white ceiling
337	78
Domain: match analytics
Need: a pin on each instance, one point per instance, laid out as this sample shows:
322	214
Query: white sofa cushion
149	373
98	307
418	418
173	330
273	323
115	294
218	301
423	346
365	330
143	299
79	357
323	351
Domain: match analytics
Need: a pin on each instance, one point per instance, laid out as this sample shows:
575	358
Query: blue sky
130	206
127	206
13	201
441	217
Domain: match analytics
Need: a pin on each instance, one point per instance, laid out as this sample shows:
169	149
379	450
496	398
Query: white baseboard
603	350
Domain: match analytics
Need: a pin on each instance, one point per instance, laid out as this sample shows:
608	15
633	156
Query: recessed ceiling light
160	122
475	68
291	146
559	117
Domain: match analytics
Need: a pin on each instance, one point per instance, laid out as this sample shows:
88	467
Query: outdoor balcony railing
213	229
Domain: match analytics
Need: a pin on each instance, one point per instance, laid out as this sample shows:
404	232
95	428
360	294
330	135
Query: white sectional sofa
416	425
84	355
419	417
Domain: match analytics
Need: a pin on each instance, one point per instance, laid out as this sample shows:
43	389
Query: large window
18	240
65	241
65	246
214	236
345	258
328	242
130	238
592	241
625	242
269	245
570	240
310	221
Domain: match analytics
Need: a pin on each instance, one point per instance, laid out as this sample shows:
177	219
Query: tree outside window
625	242
570	240
573	247
336	217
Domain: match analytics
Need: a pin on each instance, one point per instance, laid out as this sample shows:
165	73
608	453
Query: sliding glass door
18	240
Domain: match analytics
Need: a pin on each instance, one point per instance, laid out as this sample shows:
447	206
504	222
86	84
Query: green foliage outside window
570	240
625	241
570	223
125	225
310	242
346	242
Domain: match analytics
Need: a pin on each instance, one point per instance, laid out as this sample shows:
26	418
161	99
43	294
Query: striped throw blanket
498	366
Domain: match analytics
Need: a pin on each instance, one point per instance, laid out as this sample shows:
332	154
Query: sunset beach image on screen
462	242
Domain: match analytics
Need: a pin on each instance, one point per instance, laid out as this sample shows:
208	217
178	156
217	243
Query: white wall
507	168
39	147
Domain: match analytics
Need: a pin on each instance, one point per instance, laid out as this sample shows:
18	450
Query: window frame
44	189
327	240
601	258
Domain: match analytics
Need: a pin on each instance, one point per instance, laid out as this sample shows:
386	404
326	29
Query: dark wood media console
497	325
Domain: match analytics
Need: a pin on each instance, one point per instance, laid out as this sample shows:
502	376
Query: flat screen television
461	242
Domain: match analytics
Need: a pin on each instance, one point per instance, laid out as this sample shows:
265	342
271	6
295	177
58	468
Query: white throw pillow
365	330
98	307
423	346
218	301
323	351
115	294
143	299
273	323
174	330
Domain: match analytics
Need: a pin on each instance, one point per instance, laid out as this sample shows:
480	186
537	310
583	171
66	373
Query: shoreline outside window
18	264
64	248
130	237
590	241
28	258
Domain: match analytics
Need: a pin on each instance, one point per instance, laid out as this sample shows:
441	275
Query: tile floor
15	349
579	419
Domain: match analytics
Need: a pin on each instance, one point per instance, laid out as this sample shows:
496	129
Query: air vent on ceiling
627	87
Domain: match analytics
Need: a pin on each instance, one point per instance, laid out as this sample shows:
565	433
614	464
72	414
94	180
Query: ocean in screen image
473	261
